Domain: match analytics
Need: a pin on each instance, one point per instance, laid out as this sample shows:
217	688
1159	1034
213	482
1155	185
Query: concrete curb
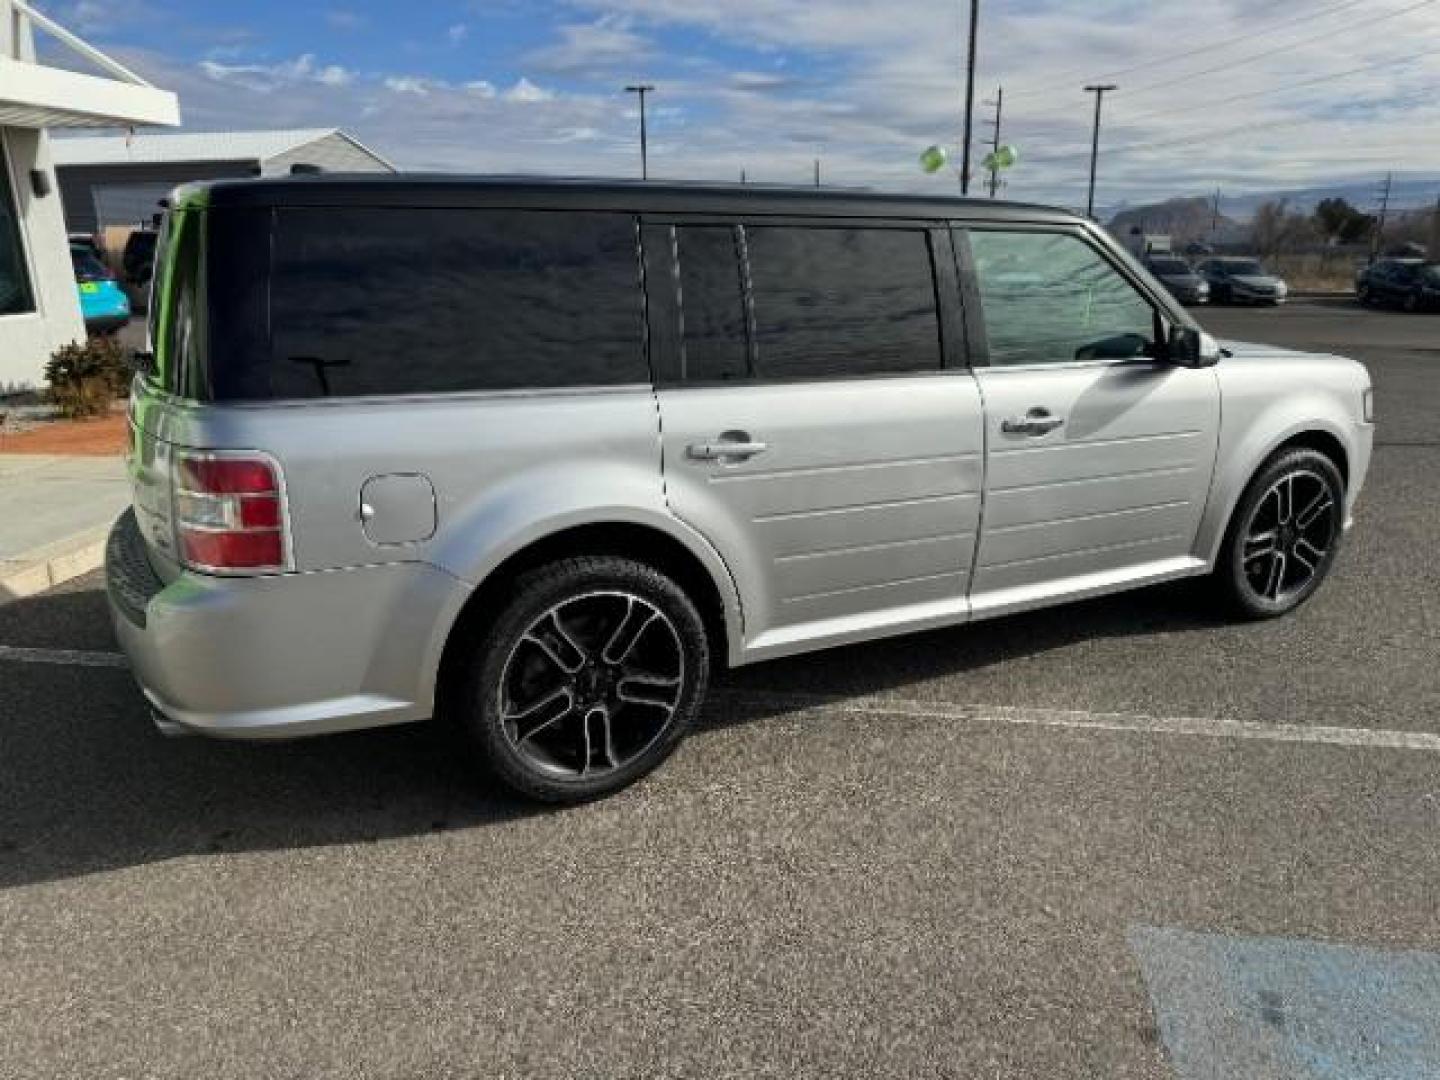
53	565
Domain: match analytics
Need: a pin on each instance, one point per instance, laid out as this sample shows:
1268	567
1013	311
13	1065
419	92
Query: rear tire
1362	294
1412	303
1283	536
592	671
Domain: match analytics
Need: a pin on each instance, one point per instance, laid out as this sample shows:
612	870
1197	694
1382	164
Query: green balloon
933	159
1001	158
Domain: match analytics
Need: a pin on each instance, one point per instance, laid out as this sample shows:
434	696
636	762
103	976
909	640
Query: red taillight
229	512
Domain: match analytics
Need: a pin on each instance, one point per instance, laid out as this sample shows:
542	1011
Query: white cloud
457	33
265	78
333	75
481	88
408	84
526	92
605	45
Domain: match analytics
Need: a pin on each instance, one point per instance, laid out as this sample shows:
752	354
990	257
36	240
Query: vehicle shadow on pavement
891	664
88	785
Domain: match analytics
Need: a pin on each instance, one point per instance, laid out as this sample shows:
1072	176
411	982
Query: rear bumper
287	655
106	324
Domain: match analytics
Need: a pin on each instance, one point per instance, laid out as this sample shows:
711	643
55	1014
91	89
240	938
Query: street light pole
642	89
969	98
1099	92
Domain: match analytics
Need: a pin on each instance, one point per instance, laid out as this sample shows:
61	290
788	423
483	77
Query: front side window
379	300
15	294
842	302
1050	298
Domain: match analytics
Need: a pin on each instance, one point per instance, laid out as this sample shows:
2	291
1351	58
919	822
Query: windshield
87	266
1169	266
1244	268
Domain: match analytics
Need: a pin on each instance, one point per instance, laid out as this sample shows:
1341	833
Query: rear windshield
309	302
1169	266
87	266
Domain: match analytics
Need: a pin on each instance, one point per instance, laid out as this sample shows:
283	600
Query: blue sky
1213	92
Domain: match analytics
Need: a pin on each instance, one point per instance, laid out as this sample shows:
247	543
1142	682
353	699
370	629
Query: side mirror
1190	347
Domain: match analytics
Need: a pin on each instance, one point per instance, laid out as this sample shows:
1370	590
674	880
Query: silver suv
540	455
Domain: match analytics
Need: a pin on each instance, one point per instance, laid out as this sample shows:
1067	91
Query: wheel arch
697	570
1315	434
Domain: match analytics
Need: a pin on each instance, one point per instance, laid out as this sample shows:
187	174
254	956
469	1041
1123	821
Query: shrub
85	377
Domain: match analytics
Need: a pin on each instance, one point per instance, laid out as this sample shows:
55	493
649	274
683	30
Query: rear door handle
724	449
1034	422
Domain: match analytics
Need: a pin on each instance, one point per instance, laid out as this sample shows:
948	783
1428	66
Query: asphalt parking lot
1118	839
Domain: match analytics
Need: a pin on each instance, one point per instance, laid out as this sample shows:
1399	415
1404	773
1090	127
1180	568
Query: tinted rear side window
712	303
842	302
410	301
178	309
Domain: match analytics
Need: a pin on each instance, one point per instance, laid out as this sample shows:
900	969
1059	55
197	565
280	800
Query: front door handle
731	446
1035	422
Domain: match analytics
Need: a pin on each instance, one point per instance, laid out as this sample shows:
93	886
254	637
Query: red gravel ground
96	437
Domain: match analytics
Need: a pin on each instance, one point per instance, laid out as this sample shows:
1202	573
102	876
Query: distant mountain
1181	219
1408	191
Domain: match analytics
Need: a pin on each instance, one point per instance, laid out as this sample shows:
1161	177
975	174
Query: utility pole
1099	92
1215	214
1435	232
817	172
999	103
1379	237
642	89
742	176
969	98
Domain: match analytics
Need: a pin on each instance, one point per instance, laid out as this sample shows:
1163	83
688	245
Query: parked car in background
1241	280
1411	284
1177	276
549	520
137	265
102	302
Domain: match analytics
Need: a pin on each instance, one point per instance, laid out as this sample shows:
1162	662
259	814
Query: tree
1275	229
1340	222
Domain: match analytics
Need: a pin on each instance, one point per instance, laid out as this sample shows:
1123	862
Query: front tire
588	677
1284	535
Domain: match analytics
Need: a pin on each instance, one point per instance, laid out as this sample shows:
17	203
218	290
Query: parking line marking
1381	738
72	657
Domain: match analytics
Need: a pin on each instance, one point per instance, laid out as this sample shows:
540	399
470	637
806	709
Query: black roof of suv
518	192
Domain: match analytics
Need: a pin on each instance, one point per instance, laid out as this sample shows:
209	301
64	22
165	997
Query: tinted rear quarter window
842	302
373	300
712	303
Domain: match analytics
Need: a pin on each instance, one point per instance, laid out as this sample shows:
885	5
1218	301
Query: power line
1346	28
1207	105
1250	35
1250	126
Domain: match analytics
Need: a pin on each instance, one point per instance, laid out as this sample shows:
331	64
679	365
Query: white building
114	180
39	305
